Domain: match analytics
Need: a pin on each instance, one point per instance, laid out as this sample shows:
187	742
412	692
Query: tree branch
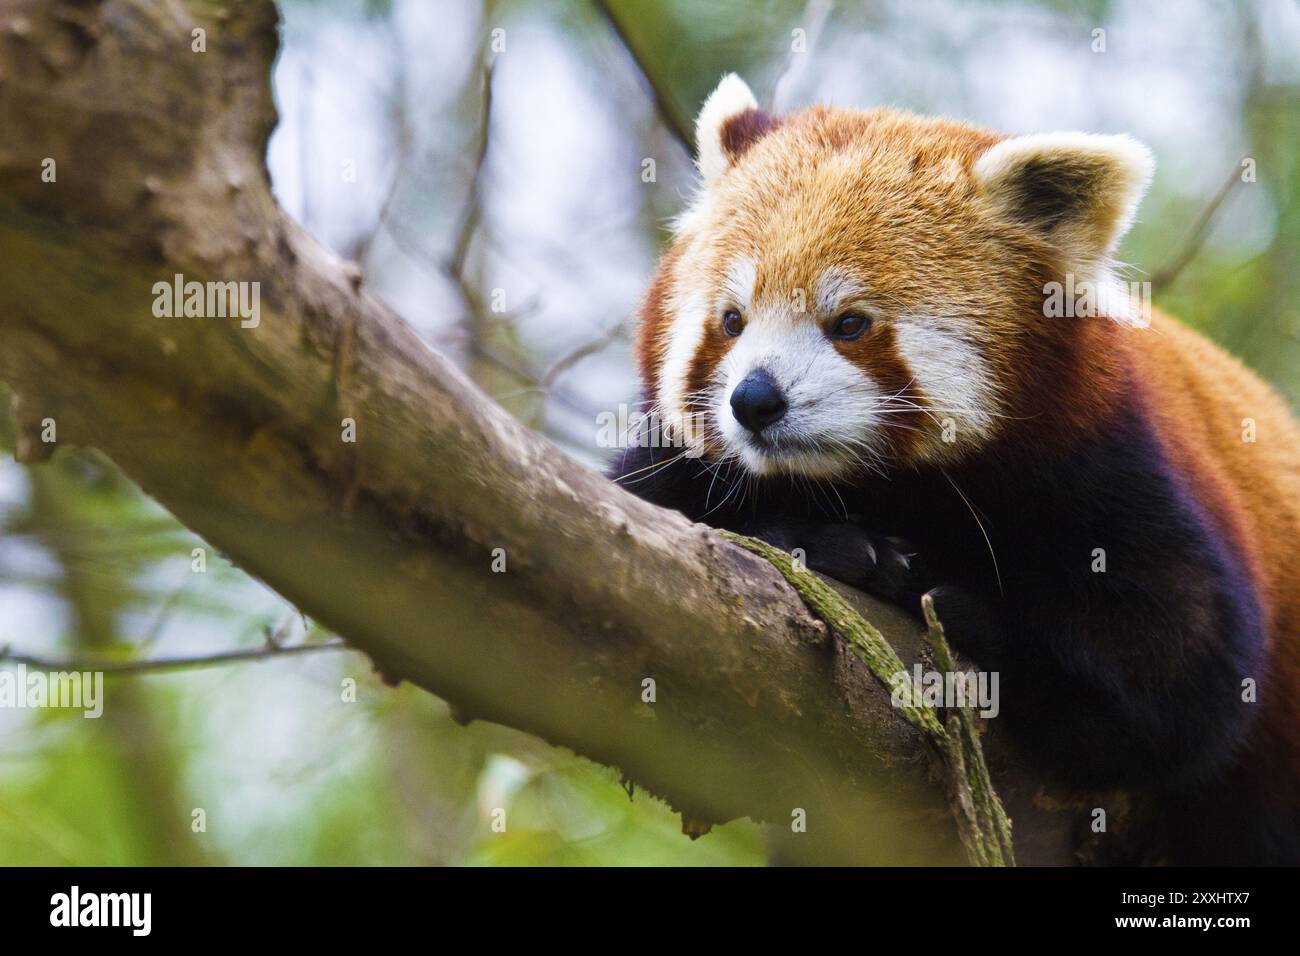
158	665
390	540
1191	246
674	122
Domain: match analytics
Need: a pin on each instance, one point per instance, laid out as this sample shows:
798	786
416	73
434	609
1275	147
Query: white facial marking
830	420
949	370
837	416
739	285
691	323
687	331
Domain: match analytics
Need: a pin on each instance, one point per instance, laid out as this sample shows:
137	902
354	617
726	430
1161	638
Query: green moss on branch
982	823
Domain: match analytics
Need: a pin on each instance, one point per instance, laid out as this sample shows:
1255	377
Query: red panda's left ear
729	123
1081	190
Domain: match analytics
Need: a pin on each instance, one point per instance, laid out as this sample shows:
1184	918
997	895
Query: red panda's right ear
1079	189
729	123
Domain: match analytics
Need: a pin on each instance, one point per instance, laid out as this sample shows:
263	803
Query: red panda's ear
1080	189
728	124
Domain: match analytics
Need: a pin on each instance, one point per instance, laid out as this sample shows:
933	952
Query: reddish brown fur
745	129
1200	396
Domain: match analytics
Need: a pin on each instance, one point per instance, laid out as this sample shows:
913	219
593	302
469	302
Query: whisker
996	572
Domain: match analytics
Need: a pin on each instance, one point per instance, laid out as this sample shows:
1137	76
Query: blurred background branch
163	664
1196	237
670	114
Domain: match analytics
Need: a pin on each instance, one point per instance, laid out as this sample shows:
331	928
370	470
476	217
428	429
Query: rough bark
389	540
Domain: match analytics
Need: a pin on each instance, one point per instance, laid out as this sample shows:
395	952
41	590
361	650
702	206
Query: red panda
848	340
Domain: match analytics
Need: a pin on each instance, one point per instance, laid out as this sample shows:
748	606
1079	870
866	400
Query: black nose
757	402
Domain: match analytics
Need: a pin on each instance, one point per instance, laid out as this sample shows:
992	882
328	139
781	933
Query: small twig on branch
164	664
566	362
1192	245
404	142
982	823
470	213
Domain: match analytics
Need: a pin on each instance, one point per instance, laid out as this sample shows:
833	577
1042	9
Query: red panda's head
865	289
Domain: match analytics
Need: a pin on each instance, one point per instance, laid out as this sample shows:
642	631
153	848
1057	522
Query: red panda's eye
732	323
850	326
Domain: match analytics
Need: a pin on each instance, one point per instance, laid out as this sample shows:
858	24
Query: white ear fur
1081	188
730	99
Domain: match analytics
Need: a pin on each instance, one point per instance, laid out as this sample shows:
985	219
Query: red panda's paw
884	566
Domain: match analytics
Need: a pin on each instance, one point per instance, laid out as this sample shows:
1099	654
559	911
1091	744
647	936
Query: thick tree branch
390	540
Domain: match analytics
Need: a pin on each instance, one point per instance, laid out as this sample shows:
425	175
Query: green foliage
577	814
